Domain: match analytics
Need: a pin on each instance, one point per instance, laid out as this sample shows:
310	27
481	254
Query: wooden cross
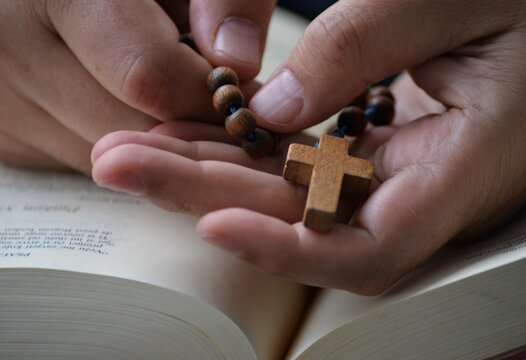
328	171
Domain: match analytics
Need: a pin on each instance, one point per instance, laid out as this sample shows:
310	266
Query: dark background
307	8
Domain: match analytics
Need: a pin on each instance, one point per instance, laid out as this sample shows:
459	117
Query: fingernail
238	39
280	101
124	182
378	162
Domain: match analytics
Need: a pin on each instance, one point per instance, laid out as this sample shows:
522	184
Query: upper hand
73	71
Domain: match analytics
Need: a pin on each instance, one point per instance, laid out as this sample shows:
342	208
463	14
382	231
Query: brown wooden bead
262	145
188	39
380	110
361	100
381	91
226	97
221	76
241	123
353	119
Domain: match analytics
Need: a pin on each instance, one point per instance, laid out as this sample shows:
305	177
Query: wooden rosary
228	100
240	122
327	168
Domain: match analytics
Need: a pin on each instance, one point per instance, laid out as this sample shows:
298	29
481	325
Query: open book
86	273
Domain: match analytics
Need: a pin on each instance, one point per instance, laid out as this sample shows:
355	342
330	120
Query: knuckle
141	75
340	38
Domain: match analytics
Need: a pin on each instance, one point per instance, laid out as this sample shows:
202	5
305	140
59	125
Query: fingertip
231	230
208	225
237	43
101	146
106	143
104	160
114	170
118	158
211	228
225	221
232	34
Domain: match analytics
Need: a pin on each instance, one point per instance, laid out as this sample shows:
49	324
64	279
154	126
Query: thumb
357	42
232	32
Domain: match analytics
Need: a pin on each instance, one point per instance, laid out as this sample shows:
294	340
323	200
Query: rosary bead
353	120
241	123
262	145
381	91
227	97
221	76
380	110
361	100
188	39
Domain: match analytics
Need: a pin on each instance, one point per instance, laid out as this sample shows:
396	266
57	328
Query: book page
65	222
334	309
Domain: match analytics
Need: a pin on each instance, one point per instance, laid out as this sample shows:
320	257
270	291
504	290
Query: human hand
454	161
451	165
73	71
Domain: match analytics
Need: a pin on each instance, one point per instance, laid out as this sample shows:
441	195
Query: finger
432	190
14	152
438	183
197	151
232	32
395	230
160	142
69	94
209	138
132	49
32	125
212	146
347	258
192	131
177	183
345	48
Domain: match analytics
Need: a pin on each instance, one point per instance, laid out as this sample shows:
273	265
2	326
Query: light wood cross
328	171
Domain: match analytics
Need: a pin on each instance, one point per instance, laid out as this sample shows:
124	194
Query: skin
451	165
75	70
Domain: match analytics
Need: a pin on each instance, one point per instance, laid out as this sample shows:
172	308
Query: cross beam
327	171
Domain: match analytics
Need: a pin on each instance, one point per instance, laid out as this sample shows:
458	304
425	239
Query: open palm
436	178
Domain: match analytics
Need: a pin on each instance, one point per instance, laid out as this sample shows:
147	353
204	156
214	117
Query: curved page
64	222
